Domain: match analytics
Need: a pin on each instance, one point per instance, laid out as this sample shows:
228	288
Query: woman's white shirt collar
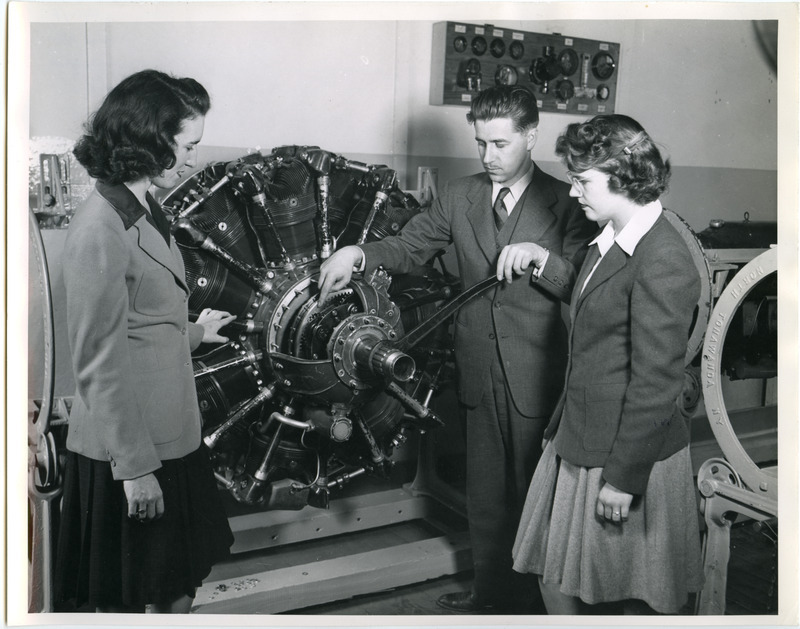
632	233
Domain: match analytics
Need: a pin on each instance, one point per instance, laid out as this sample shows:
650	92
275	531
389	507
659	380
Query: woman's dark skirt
104	558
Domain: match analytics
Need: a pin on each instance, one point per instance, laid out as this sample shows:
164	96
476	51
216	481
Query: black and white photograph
402	313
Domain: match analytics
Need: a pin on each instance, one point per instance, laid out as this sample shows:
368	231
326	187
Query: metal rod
295	423
326	244
265	394
377	204
205	197
377	454
422	412
252	274
259	199
262	472
227	484
346	477
249	357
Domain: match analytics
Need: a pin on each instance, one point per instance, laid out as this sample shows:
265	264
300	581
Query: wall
58	87
360	88
701	88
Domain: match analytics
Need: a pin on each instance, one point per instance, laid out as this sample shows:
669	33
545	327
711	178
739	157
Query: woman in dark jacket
142	521
611	515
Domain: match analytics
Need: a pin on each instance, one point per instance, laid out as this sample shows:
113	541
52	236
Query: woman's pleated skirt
106	559
654	556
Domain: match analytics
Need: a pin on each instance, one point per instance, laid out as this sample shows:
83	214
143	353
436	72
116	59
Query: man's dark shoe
463	602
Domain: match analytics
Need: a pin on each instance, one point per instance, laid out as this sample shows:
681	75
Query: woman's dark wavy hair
620	147
506	101
132	135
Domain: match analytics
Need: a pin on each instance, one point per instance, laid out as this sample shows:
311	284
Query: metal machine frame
736	486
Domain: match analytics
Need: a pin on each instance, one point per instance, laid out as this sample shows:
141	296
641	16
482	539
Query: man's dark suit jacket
628	337
522	319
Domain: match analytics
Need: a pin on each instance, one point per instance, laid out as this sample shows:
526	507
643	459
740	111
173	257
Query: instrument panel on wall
567	74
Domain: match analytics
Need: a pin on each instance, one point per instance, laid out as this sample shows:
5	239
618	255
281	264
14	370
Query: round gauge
469	71
479	45
506	75
460	43
568	60
516	50
497	47
565	90
603	65
603	92
543	69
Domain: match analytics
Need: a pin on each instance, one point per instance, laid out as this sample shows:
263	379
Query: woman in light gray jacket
142	522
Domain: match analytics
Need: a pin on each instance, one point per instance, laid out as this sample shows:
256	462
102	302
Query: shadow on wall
767	34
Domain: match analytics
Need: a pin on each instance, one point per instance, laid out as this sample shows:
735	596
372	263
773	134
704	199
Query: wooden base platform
291	560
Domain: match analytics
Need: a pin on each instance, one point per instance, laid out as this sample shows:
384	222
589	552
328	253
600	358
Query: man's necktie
500	213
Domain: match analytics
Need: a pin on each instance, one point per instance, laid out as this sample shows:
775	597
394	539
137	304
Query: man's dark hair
506	101
132	135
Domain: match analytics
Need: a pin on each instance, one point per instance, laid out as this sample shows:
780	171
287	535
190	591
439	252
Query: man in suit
510	343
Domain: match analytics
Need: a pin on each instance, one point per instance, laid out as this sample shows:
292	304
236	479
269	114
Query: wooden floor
752	574
752	584
411	600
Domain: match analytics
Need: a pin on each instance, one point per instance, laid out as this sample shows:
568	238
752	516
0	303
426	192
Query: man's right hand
336	271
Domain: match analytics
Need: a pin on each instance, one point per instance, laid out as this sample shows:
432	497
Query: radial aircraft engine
307	396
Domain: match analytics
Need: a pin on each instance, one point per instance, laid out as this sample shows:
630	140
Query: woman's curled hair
131	136
620	147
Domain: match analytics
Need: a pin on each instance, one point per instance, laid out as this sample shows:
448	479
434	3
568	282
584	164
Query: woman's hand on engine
336	271
212	321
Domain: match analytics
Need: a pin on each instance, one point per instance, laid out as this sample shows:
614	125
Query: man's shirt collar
515	191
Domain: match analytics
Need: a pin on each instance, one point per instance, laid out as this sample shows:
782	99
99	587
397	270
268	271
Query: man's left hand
514	259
